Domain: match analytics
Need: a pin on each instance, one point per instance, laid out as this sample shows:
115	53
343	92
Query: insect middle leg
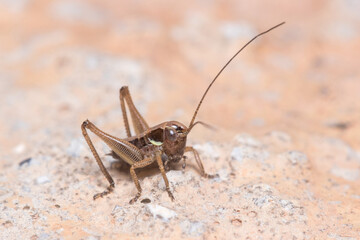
143	163
138	121
199	163
163	173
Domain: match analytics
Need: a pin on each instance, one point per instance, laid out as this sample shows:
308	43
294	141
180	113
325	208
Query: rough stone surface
286	118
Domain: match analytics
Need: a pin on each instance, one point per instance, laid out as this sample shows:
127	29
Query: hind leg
138	121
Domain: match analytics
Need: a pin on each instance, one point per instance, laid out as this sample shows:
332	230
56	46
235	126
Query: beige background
287	114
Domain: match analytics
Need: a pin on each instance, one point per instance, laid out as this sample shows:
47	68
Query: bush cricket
163	144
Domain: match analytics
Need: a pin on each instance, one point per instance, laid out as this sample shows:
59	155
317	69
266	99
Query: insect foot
211	175
132	201
170	194
106	192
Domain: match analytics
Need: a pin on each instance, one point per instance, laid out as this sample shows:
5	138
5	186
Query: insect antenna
202	123
222	69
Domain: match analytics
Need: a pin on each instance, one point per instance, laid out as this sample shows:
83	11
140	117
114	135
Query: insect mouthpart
155	143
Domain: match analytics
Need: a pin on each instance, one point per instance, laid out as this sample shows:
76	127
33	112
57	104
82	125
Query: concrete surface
286	112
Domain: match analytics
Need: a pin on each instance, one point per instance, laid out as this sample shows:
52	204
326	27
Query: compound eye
171	134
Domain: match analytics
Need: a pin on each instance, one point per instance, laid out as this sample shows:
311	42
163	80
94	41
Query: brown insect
164	143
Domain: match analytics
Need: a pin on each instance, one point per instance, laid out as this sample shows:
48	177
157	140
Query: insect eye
171	134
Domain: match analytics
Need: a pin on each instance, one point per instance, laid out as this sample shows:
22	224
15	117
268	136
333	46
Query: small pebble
42	180
19	148
160	212
26	161
146	201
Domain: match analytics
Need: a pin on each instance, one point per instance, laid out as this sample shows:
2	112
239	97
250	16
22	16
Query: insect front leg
125	150
163	173
143	163
199	163
139	122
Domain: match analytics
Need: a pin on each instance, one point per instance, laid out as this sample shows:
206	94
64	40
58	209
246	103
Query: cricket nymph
162	144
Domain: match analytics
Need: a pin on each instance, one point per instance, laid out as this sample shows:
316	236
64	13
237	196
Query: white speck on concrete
160	212
19	148
42	180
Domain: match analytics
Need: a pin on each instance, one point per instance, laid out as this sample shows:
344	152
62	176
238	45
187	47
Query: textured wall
286	112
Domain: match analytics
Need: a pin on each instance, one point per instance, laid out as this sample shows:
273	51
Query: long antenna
197	109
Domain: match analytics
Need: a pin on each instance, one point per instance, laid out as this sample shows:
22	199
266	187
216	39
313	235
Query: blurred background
64	61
